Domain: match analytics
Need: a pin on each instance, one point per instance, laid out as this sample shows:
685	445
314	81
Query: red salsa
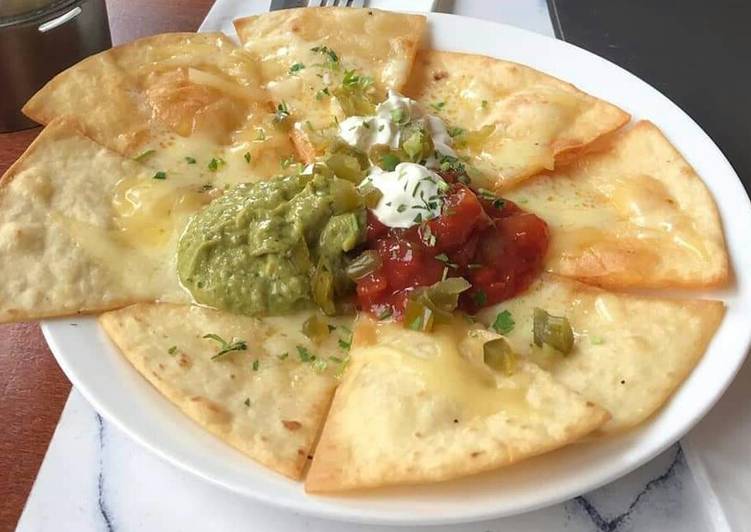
492	243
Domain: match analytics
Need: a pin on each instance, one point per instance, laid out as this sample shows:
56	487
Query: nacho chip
630	353
416	407
512	121
263	399
61	248
176	102
636	215
317	62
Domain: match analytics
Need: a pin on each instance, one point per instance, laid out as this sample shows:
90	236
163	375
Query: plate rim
355	515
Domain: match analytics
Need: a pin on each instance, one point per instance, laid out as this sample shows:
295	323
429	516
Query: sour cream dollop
412	194
387	126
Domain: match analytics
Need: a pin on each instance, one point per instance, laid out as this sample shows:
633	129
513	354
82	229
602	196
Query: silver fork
336	3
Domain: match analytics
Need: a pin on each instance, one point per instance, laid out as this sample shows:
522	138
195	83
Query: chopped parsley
479	298
216	163
247	157
255	365
438	105
172	350
160	175
504	322
487	195
328	52
451	163
344	344
305	354
294	69
190	160
226	347
352	80
143	156
282	112
321	94
401	208
319	365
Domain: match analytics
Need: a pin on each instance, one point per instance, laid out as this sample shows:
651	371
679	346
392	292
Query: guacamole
273	247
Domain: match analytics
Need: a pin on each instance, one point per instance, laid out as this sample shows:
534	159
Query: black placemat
697	52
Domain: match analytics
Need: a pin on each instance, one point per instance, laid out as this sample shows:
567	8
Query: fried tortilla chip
318	62
630	352
62	249
177	102
510	120
636	215
261	397
416	407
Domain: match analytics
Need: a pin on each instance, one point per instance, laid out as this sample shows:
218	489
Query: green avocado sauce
273	247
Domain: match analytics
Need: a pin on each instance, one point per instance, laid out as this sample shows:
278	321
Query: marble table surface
94	478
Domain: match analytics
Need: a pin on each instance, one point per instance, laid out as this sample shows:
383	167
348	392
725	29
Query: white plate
117	391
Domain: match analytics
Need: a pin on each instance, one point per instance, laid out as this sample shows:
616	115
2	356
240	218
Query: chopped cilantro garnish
226	347
282	112
319	365
160	175
255	365
451	163
401	208
247	157
305	355
343	344
190	160
325	50
172	350
503	323
485	194
297	67
479	298
352	80
418	218
216	163
145	155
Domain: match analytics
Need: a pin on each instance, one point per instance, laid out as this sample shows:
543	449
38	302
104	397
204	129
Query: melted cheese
444	371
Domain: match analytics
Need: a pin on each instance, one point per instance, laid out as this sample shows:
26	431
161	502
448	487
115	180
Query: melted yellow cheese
445	370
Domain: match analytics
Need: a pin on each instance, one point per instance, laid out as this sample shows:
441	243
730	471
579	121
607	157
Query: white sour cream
384	127
411	194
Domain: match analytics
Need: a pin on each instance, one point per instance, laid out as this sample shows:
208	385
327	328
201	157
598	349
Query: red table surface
33	389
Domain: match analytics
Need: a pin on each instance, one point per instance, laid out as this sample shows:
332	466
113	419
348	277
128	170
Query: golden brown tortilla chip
516	121
176	101
314	61
61	249
263	400
635	215
631	352
422	407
